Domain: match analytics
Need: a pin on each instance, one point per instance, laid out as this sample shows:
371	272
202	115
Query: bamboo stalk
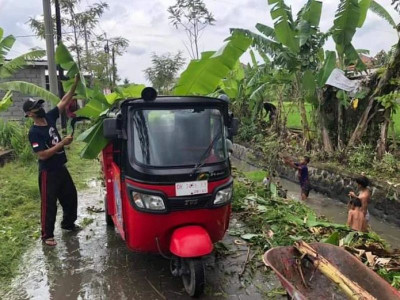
349	287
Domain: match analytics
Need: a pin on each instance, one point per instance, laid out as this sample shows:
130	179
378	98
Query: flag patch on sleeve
35	145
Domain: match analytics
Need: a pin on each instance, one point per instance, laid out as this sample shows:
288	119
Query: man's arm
46	154
66	100
290	163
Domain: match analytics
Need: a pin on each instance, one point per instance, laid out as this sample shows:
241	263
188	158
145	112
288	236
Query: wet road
95	264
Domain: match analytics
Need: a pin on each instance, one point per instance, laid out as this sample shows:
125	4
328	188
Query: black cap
31	104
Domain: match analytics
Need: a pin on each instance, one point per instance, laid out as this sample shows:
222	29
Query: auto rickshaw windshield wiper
206	153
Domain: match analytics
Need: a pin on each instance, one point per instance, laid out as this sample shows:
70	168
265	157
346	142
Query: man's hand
65	101
351	194
67	140
46	154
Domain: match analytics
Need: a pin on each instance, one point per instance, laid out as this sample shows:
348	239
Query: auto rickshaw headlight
146	201
223	196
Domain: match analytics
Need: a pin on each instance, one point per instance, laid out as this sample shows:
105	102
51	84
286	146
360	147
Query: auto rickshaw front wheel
193	276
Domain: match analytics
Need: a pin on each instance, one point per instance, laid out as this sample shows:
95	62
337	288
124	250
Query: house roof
38	62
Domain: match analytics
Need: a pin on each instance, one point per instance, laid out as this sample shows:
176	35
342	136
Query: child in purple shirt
303	175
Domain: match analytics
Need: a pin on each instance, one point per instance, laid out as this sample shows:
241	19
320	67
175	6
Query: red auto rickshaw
168	177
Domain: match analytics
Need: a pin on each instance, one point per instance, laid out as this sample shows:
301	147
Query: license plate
191	188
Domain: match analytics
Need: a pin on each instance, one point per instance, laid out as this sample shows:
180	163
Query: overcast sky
145	24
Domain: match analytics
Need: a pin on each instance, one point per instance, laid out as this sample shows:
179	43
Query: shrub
361	156
14	135
388	164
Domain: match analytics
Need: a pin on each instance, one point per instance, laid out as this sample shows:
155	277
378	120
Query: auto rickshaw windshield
177	137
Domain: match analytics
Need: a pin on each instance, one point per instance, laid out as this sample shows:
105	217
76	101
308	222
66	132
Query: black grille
187	203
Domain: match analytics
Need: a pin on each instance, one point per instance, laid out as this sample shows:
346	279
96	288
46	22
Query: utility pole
51	62
114	70
60	70
107	51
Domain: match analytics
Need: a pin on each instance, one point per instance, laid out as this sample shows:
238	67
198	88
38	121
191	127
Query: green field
294	119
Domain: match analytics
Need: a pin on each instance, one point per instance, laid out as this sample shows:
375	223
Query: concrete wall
33	74
385	201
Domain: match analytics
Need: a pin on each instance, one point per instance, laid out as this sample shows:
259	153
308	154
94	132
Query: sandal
50	242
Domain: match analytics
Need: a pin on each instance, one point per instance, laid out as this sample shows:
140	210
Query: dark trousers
55	185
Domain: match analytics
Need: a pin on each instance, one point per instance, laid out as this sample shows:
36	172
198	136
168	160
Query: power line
35	35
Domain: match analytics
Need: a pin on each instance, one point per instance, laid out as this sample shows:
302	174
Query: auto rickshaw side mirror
234	128
110	128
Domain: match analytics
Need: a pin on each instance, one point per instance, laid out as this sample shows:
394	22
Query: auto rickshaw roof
178	100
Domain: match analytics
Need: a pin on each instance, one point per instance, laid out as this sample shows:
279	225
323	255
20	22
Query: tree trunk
381	147
390	72
279	125
340	126
303	113
325	138
393	135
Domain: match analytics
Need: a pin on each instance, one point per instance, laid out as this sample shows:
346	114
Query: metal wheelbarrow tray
283	261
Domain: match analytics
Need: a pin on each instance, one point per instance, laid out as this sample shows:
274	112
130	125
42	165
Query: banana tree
9	67
97	105
293	45
297	46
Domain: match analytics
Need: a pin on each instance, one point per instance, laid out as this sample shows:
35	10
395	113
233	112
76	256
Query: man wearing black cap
55	182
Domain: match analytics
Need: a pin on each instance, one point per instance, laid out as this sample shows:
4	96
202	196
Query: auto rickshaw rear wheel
109	220
193	276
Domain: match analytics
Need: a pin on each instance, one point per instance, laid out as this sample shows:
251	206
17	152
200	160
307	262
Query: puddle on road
335	210
95	264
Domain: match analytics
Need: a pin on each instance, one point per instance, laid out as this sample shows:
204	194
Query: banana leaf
10	67
308	20
66	61
327	68
95	141
6	101
204	75
283	24
333	239
29	89
345	24
261	43
364	6
378	9
131	91
309	85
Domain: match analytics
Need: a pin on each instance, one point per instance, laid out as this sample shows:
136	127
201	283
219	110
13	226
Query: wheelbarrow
284	261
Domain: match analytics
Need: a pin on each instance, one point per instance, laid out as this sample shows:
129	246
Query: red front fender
190	241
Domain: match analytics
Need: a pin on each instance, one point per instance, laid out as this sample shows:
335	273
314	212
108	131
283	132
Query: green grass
294	118
20	206
256	176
